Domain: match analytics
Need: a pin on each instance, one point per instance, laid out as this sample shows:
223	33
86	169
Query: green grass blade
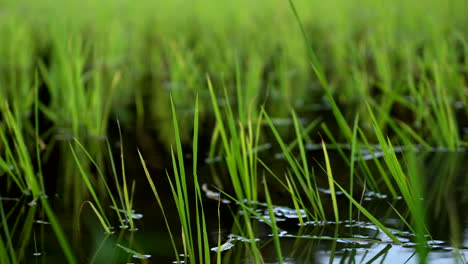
158	199
90	187
274	226
99	216
330	183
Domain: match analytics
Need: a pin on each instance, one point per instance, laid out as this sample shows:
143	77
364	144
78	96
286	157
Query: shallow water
349	241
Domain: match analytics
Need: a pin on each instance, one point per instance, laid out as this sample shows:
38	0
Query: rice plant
315	105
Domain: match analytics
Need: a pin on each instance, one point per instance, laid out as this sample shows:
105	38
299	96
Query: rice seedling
375	93
16	160
127	205
330	183
160	204
89	185
238	144
301	174
100	213
194	252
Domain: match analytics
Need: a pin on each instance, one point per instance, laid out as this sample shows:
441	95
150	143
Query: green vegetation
303	112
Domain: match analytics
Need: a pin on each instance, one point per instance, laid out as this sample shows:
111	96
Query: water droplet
142	256
436	242
224	247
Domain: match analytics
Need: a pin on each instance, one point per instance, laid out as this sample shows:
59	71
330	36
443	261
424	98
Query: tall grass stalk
291	186
160	204
17	162
300	173
369	215
330	183
352	164
125	192
240	157
401	69
100	217
202	233
410	185
103	178
239	145
179	186
91	189
180	192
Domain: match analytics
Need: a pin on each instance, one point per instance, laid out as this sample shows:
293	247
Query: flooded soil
353	240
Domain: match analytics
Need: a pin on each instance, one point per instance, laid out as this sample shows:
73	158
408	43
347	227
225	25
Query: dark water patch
348	240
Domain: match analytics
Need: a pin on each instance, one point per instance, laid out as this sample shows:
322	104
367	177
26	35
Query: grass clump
381	85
